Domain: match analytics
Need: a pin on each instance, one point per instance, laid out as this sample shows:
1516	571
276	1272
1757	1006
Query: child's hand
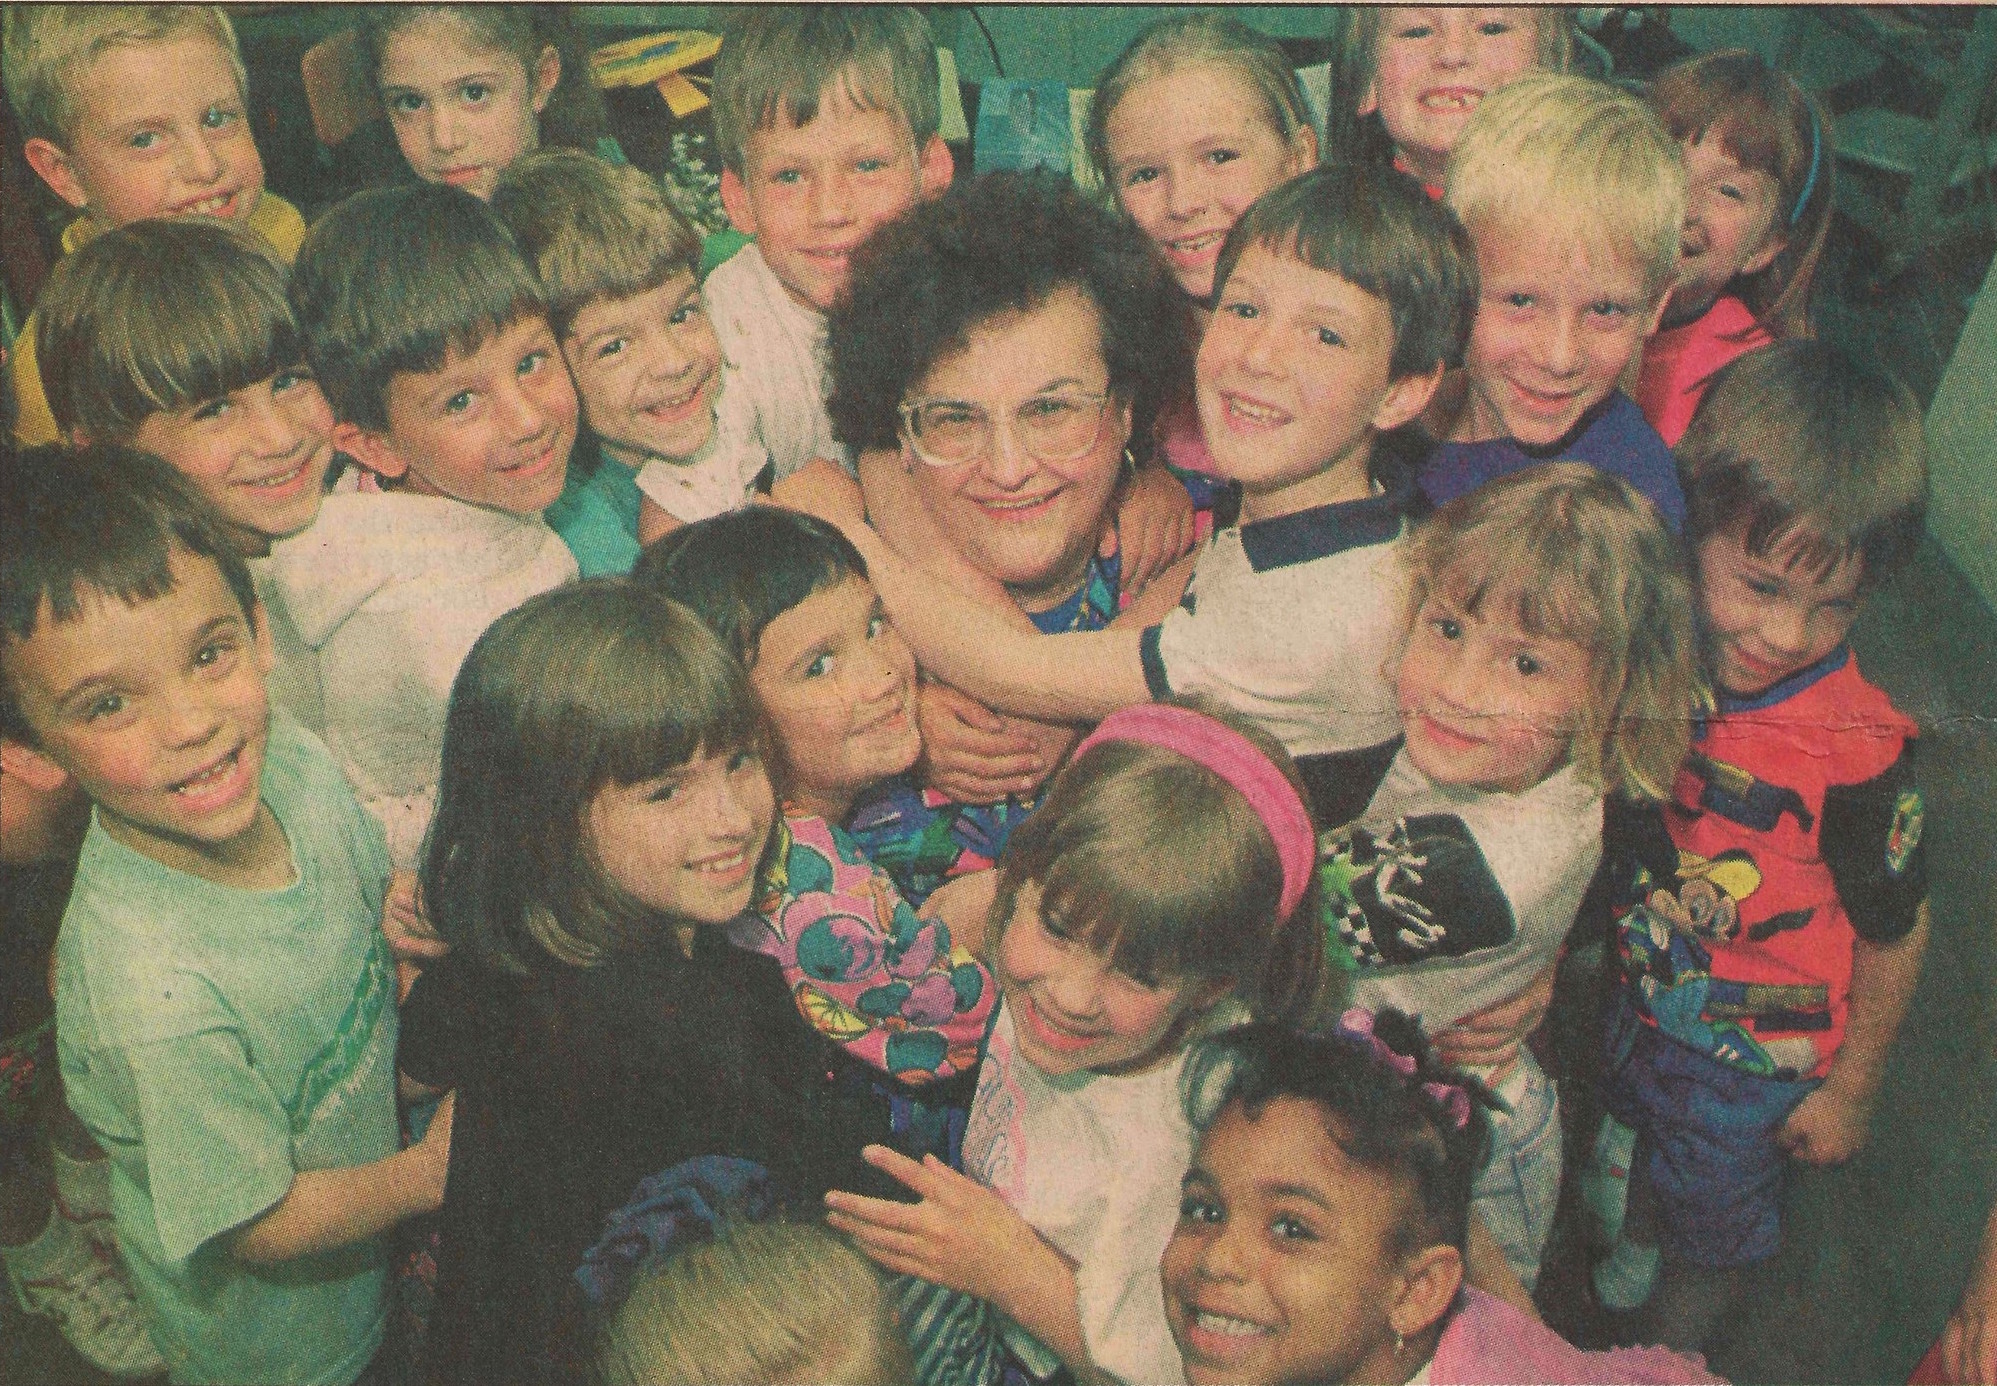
1154	526
962	1235
823	489
1969	1343
434	1151
1827	1127
411	939
973	755
1490	1039
964	905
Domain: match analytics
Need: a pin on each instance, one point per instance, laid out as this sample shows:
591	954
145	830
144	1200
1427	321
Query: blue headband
1816	157
674	1209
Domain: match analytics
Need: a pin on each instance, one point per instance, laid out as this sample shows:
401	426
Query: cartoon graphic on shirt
1905	834
1738	796
1408	891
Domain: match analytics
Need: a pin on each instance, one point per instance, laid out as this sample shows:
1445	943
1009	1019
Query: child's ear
735	202
48	160
547	74
1427	1286
1406	397
372	450
1656	321
260	635
1764	257
33	769
1303	150
935	168
1369	100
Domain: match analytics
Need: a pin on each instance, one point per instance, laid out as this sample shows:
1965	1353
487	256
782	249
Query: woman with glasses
997	365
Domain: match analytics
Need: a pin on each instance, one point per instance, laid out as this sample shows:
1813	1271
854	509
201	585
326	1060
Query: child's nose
446	129
831	200
273	435
1560	344
734	813
189	721
1185	194
199	163
1223	1256
1452	44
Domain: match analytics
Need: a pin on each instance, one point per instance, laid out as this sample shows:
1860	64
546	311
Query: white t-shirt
721	477
1456	898
294	684
1093	1162
776	346
1292	621
393	590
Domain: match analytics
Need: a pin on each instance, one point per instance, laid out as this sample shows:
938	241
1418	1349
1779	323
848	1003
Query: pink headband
1235	759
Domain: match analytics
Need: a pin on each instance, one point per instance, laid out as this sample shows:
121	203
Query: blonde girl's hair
593	684
762	1302
44	50
1158	863
1768	123
1569	552
574	117
1200	38
1564	159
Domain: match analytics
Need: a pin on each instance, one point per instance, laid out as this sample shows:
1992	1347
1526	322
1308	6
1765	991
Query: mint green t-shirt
216	1041
597	512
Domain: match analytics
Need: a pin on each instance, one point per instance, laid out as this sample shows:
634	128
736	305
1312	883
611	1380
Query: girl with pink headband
1167	885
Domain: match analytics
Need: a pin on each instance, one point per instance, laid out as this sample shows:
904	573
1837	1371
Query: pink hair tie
1237	760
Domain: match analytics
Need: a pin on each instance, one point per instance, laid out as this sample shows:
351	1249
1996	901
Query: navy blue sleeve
1622	443
1871	841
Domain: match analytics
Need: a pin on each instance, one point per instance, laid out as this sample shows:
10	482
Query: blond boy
616	263
1572	192
131	112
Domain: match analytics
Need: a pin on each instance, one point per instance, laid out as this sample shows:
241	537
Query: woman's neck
1049	592
830	804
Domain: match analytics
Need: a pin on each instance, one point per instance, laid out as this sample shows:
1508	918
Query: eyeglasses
1051	428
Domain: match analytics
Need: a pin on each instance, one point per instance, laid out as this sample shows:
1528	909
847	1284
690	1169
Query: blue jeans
1519	1185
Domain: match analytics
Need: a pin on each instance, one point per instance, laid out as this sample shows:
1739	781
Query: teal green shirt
597	512
216	1041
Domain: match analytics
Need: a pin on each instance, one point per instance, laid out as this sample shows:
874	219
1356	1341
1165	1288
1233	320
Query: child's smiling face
1282	1268
161	131
811	193
1730	225
688	842
647	369
259	454
1433	66
156	708
1292	380
1766	617
838	685
1484	703
1558	321
492	427
462	111
1190	150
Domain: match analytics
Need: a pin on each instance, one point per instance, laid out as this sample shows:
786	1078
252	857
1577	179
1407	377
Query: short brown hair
1580	556
1547	156
592	229
161	315
1807	442
1156	861
44	49
777	62
1767	122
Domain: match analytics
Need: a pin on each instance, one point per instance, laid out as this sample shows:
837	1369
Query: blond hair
592	229
161	315
778	62
762	1302
45	48
1198	38
1572	553
1549	154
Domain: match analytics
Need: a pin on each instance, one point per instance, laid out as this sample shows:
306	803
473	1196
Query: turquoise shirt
597	512
216	1041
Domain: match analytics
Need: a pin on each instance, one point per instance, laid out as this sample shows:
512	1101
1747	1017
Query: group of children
462	628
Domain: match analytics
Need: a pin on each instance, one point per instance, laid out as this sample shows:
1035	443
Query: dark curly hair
1381	1118
1001	242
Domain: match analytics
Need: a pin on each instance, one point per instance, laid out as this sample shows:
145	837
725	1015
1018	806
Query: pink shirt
1489	1343
1680	362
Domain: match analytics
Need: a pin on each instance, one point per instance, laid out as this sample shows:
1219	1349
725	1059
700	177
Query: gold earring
1399	1344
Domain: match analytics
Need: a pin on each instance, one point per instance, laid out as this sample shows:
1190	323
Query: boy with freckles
131	112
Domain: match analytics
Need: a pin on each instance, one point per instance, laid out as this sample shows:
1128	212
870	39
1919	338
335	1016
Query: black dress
575	1084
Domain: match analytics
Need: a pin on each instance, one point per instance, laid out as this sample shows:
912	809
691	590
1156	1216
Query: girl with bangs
1760	186
1548	663
1166	881
604	811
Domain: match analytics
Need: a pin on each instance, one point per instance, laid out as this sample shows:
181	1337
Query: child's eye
1247	312
1608	308
1327	337
872	165
213	653
1415	31
1143	174
474	92
405	103
743	760
213	409
787	177
531	362
460	402
1289	1229
877	627
819	667
667	791
1223	156
1763	587
1526	665
106	705
1129	979
1728	190
144	140
684	314
1448	627
1197	1208
1518	299
217	117
1491	28
290	380
610	348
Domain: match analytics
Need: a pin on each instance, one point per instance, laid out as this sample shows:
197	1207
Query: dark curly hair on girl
1000	243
